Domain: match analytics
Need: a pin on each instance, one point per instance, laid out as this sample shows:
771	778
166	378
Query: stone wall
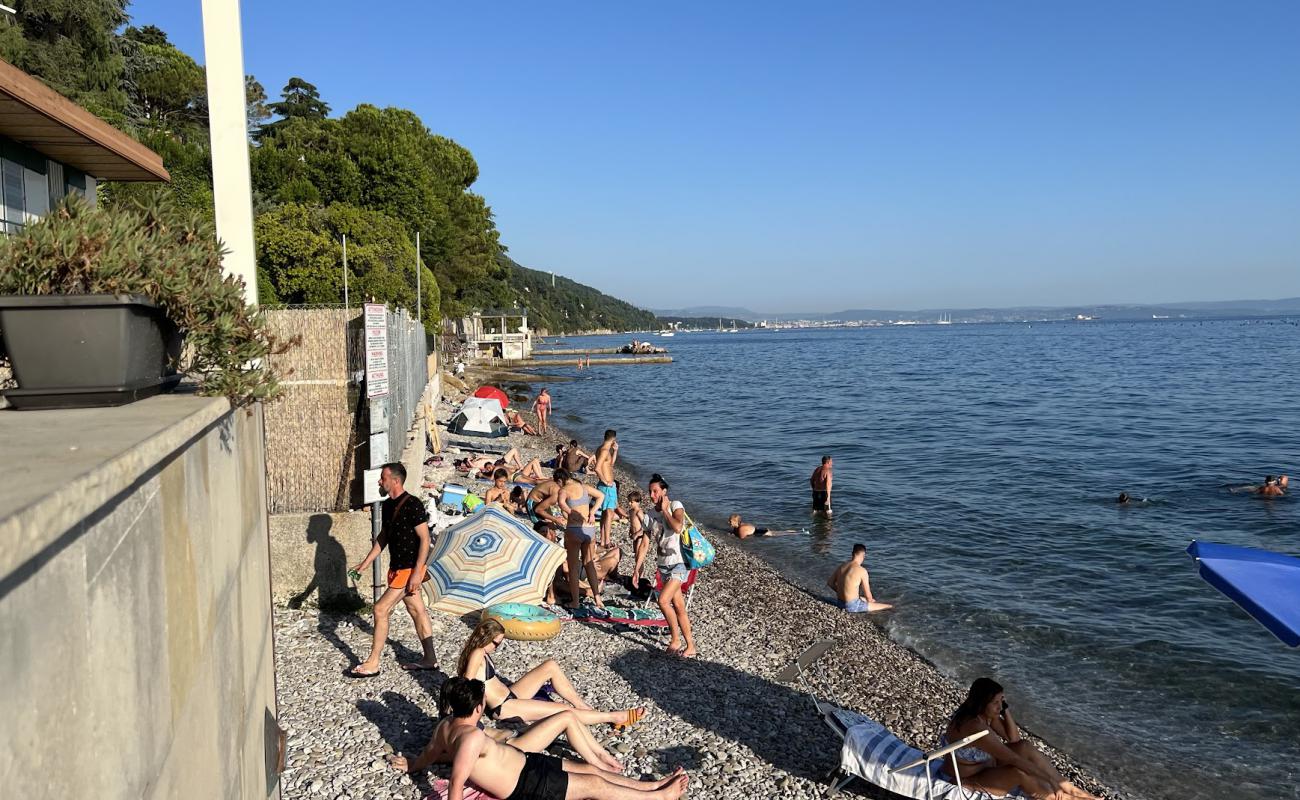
135	607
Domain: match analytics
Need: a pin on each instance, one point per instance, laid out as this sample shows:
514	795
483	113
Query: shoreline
933	696
723	716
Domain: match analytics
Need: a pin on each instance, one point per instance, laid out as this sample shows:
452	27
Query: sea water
979	464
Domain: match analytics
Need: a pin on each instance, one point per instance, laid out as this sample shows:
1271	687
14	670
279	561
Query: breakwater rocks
738	731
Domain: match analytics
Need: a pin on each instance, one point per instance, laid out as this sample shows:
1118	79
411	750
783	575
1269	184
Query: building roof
51	124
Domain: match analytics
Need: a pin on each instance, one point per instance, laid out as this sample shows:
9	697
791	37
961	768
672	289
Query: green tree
167	88
298	100
300	258
255	101
73	46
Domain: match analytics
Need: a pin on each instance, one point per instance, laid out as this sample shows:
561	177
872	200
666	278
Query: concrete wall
134	603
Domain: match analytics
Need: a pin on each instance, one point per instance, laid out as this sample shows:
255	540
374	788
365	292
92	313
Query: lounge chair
871	752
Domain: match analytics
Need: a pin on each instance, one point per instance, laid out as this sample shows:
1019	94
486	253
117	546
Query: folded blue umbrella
1265	584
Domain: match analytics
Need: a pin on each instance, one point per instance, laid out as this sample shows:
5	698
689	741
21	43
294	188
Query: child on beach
639	530
669	521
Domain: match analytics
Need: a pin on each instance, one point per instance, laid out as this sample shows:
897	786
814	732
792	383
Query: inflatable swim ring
525	623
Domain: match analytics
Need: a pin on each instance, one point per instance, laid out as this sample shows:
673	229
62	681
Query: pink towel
440	786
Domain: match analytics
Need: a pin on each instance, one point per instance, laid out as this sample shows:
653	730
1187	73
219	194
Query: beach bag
696	550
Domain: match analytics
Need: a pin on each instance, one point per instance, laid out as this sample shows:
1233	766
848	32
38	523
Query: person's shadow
407	729
329	578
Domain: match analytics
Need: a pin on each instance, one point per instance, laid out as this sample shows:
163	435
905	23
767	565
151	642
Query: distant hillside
1116	311
726	312
569	306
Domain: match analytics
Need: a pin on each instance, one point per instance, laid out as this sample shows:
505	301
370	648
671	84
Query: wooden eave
35	115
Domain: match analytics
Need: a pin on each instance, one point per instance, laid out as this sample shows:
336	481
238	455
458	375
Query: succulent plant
172	257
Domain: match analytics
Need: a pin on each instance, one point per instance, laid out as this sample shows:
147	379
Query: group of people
513	766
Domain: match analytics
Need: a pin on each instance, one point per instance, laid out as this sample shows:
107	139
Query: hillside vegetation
569	306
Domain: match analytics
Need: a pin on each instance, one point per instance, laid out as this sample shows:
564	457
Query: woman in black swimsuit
525	698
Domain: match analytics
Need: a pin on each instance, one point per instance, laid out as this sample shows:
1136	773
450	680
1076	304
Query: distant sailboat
944	319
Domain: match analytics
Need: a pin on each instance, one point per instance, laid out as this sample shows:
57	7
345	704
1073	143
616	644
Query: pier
574	362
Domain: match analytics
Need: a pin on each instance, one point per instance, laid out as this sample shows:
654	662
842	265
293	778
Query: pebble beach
738	731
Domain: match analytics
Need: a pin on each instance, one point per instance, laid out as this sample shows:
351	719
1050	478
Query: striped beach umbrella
492	557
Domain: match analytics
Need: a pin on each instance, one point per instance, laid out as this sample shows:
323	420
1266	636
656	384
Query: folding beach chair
870	752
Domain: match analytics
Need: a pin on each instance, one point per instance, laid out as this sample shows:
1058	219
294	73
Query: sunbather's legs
1003	780
595	787
512	458
1035	755
533	710
576	767
549	670
540	734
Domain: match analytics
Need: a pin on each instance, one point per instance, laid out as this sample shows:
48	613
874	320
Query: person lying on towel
516	770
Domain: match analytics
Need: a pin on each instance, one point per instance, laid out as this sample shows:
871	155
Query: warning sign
376	350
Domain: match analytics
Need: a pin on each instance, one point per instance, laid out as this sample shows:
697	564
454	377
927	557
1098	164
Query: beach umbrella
1265	584
491	557
480	416
493	393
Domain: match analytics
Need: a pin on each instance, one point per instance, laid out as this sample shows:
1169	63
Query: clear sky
827	155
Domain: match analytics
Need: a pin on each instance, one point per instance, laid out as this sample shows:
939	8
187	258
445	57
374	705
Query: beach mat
441	785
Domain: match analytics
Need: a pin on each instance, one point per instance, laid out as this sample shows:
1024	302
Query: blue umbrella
491	557
1265	584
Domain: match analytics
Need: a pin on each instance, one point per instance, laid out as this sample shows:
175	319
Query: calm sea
979	464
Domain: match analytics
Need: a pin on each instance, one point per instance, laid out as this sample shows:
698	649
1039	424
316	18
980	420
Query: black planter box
79	351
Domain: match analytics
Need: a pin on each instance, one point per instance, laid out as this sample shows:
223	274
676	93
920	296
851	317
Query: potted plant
103	306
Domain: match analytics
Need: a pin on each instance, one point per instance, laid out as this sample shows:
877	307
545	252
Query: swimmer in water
1272	487
744	530
1123	498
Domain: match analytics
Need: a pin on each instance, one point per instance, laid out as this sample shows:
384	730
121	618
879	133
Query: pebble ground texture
738	731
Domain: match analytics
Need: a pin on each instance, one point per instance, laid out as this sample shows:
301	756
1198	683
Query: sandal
634	715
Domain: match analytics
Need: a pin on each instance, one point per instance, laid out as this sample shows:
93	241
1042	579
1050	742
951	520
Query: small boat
665	333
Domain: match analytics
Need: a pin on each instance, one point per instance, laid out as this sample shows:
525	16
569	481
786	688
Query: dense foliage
569	306
378	175
168	255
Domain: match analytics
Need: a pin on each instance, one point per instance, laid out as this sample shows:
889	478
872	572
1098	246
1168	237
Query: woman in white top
669	520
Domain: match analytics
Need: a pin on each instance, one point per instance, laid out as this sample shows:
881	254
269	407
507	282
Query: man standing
821	486
605	457
406	535
852	584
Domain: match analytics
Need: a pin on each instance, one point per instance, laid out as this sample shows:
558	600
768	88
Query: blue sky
828	155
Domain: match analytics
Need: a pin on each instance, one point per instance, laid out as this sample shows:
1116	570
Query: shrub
169	255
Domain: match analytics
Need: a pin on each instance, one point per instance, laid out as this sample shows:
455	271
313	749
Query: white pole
345	272
228	131
419	301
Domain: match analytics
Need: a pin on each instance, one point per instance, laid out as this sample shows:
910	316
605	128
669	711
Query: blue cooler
453	495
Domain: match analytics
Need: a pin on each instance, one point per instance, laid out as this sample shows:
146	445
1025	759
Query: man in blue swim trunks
852	584
606	455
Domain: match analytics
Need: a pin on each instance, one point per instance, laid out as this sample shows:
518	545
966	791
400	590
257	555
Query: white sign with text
376	350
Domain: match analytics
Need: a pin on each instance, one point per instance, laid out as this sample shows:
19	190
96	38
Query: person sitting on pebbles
515	770
852	584
518	424
743	530
526	698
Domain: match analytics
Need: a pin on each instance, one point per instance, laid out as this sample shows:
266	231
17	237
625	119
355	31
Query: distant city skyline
842	155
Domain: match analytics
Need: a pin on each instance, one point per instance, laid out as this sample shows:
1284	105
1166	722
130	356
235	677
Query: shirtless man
575	458
852	584
821	486
1273	487
544	497
509	771
606	455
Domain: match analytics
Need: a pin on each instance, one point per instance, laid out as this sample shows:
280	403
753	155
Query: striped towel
440	786
870	751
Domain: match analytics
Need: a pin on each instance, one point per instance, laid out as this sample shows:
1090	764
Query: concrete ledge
84	457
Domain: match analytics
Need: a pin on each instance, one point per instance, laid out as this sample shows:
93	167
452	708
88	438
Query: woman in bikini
525	698
542	407
579	503
1001	761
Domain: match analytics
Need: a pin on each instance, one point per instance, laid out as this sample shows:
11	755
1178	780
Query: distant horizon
1290	304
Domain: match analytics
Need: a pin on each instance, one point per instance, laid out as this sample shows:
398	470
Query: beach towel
870	751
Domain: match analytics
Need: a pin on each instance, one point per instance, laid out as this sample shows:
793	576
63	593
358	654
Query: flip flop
676	652
353	674
634	715
418	667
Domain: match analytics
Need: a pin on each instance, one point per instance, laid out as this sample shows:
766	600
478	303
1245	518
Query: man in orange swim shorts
406	534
